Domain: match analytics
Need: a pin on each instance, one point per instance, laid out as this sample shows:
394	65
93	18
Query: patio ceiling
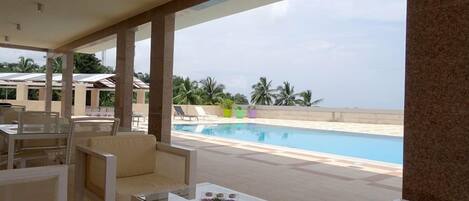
60	22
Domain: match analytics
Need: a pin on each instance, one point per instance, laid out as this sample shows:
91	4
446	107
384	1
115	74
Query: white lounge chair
201	113
107	172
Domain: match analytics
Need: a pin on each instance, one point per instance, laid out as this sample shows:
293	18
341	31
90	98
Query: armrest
94	153
103	172
176	162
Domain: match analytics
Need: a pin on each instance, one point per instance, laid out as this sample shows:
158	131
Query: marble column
436	128
67	84
21	92
42	94
161	73
79	106
48	84
141	96
94	99
125	51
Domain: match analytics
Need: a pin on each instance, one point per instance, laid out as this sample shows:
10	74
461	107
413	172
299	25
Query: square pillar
67	85
436	127
94	99
48	86
161	74
21	92
79	107
124	78
42	94
140	96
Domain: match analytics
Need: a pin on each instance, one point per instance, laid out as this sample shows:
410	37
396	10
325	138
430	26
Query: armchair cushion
135	153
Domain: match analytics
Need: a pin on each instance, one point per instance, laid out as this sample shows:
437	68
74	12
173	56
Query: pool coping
291	124
298	153
297	127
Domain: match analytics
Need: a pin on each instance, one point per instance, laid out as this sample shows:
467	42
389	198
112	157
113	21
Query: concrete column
67	80
124	78
436	137
21	92
94	99
48	87
161	73
42	94
140	96
79	106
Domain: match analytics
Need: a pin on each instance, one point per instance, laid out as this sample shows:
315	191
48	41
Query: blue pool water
370	147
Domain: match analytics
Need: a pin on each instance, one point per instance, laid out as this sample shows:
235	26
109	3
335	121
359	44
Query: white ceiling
63	21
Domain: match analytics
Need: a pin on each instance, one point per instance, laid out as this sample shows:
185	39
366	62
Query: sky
351	53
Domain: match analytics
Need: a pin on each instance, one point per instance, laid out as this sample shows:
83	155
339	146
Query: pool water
371	147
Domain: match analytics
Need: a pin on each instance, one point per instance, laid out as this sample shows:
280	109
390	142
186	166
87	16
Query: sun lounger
179	112
201	112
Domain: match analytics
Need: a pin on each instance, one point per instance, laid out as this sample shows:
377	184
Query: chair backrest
200	111
130	133
38	122
137	158
9	114
39	183
179	110
82	129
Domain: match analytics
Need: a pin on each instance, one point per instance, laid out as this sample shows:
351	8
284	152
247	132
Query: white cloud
279	9
318	45
11	55
374	10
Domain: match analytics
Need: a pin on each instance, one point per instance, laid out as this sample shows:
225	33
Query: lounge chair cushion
135	153
126	187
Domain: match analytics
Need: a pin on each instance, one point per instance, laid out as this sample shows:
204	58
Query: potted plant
227	106
252	111
239	112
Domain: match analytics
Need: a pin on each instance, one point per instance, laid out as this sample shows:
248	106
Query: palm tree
262	94
286	95
25	65
307	99
187	92
212	92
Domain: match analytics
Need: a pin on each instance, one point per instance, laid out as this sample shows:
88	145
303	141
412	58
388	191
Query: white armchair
39	184
117	167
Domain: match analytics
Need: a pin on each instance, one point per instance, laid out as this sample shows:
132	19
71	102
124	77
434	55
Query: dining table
10	133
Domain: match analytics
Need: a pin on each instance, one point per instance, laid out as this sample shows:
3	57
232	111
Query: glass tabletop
13	129
201	192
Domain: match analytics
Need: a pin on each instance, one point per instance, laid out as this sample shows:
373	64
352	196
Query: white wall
270	112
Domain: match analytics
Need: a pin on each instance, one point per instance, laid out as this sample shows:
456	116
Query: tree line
185	91
84	63
209	92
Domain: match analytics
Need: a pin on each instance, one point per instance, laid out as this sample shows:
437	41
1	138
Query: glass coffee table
201	192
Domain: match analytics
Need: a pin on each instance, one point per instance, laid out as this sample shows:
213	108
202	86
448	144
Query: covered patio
86	87
436	114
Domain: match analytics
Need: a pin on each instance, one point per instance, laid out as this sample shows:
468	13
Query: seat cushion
126	187
135	154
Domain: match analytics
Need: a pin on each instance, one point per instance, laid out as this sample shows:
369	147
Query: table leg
11	152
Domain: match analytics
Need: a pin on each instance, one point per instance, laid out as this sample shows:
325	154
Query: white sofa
117	167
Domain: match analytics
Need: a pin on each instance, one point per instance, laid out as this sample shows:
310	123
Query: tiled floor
279	174
274	177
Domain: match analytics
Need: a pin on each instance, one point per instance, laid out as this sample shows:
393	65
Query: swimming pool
371	147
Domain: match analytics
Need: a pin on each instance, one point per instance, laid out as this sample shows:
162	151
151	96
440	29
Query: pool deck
283	174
